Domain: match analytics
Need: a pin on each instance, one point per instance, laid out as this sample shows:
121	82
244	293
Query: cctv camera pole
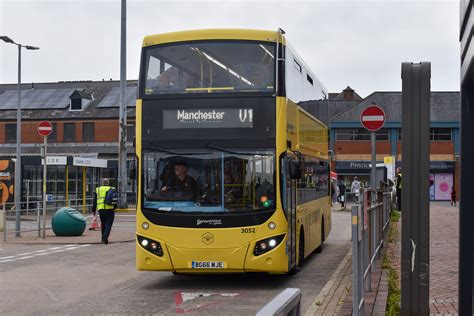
122	155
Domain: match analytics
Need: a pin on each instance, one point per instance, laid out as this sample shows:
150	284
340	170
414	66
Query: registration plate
208	264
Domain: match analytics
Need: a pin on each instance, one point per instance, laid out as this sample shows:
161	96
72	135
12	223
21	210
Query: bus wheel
301	249
321	246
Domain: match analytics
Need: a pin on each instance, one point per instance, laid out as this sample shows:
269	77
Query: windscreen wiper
218	148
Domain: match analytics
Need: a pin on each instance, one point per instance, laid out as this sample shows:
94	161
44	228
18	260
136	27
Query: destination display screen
208	118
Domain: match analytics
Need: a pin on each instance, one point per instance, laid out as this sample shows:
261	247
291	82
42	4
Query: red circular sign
45	128
372	118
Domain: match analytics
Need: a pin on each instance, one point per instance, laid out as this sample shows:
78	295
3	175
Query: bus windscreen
210	67
209	182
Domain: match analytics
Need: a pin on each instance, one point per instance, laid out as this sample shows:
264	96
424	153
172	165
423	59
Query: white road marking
42	252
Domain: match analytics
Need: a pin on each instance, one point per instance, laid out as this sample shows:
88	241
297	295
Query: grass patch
395	216
394	294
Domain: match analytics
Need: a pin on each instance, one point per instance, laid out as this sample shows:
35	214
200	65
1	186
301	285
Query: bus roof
211	34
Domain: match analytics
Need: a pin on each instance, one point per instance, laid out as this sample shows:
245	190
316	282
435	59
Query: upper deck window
210	67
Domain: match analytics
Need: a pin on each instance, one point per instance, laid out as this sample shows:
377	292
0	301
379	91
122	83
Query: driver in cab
181	182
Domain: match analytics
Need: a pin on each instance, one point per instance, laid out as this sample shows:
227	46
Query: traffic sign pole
45	129
374	161
45	163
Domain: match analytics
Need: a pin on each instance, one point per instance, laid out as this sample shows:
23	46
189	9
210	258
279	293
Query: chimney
348	93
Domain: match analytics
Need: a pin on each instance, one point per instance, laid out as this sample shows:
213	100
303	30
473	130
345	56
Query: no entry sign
372	118
45	128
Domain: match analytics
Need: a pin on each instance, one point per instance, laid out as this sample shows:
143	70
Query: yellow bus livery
233	173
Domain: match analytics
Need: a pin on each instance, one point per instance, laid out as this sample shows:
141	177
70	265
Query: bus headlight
267	244
150	245
145	225
272	225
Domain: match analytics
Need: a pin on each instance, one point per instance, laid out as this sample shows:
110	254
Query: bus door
290	210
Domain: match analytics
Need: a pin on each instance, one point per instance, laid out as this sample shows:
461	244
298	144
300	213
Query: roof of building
445	107
51	100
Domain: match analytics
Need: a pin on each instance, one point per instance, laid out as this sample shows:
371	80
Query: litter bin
68	222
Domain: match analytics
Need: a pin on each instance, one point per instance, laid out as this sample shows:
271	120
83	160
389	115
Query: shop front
441	176
347	170
441	180
69	180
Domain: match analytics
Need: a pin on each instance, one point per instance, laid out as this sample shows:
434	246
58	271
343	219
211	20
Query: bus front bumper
211	260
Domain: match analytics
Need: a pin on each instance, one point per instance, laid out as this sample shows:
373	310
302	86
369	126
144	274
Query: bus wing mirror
295	170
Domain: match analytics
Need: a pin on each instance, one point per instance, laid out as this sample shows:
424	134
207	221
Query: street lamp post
17	189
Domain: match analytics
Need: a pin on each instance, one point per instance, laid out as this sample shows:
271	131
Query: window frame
84	124
7	126
66	139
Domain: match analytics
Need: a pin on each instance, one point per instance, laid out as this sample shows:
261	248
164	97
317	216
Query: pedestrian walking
105	199
355	189
453	196
342	193
398	186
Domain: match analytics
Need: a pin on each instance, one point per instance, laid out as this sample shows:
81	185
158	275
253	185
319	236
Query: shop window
382	134
88	132
361	134
399	134
443	134
10	133
69	132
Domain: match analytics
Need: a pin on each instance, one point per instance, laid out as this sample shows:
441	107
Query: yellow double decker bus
233	173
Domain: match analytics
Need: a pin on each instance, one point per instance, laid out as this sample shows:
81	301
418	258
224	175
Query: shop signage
55	160
89	162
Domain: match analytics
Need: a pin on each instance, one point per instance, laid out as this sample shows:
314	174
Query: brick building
85	125
351	144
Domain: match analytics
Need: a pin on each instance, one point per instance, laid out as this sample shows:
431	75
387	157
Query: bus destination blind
208	118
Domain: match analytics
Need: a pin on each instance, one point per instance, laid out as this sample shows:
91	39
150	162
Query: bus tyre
321	246
301	249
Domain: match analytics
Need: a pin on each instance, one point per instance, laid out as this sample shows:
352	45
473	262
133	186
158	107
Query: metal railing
31	218
370	221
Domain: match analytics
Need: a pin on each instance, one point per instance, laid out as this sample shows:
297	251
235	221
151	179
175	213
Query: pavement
444	259
123	230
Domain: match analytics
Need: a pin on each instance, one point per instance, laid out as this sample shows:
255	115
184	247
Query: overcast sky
357	43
